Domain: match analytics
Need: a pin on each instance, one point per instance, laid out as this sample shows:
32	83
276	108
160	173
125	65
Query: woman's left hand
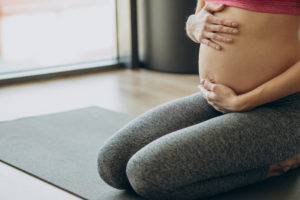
221	97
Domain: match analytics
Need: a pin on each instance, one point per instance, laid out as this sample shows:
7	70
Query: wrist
245	102
200	5
240	103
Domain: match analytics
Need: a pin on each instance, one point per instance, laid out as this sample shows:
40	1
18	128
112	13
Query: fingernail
229	40
220	5
235	31
218	47
234	24
201	81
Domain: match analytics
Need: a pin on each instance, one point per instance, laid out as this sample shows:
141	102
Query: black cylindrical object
163	43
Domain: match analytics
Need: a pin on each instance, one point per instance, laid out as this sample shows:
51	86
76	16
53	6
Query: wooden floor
127	91
124	90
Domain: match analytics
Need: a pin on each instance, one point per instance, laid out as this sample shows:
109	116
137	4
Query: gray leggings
185	149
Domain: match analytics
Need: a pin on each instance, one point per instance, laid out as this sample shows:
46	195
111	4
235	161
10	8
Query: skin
229	62
282	167
202	26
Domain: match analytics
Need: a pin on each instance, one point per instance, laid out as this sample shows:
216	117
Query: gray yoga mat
62	149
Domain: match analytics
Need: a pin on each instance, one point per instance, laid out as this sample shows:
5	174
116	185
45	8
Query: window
56	34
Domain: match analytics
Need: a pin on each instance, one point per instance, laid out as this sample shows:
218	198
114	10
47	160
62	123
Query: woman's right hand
203	26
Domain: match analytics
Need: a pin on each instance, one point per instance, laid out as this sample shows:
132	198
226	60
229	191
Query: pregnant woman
242	127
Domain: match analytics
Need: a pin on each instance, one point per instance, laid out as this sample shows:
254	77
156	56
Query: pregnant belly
263	49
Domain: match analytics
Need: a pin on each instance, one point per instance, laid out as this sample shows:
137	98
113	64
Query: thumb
218	7
213	7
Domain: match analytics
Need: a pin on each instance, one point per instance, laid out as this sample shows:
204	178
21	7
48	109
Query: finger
213	7
211	44
209	96
216	107
220	29
275	168
217	37
273	174
209	85
202	80
193	38
286	168
197	35
222	111
198	86
221	21
204	92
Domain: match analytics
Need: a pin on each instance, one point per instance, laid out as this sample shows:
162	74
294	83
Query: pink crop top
269	6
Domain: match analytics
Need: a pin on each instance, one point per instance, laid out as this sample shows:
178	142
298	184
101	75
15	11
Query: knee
144	181
111	167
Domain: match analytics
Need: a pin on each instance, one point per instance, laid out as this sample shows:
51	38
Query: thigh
161	120
228	144
149	126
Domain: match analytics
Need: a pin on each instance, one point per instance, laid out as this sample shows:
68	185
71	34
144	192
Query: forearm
190	22
280	86
200	5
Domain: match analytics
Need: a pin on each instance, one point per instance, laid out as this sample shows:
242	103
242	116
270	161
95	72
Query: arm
200	5
203	26
284	84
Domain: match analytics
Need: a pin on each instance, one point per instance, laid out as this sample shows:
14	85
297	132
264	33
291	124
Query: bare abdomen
266	46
